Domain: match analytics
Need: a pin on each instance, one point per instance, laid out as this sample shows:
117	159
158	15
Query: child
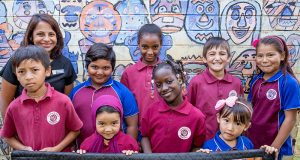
100	62
275	96
41	118
215	83
107	114
138	76
234	116
171	124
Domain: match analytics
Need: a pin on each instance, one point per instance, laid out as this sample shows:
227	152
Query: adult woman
42	30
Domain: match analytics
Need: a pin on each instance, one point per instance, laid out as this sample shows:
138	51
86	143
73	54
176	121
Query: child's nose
149	51
28	75
108	129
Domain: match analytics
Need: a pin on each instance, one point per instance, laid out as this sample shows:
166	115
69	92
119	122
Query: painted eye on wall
274	5
210	8
235	14
175	9
162	9
199	9
41	12
249	13
292	3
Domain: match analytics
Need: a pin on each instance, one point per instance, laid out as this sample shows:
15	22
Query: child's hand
49	149
204	150
129	152
269	149
81	151
27	148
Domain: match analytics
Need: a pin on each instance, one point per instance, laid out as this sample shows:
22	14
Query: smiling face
268	60
69	14
241	21
44	36
108	125
202	20
99	71
168	86
216	60
149	46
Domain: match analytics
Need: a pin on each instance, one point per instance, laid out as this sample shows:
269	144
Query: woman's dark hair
151	29
100	51
281	47
33	52
35	20
108	109
216	42
176	68
241	111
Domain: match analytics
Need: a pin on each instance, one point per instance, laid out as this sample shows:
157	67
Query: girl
275	96
138	77
215	82
234	116
171	119
42	30
107	114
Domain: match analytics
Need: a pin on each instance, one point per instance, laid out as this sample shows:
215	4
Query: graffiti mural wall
186	25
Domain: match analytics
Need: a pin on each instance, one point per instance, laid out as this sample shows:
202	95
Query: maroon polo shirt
41	124
137	78
173	130
205	90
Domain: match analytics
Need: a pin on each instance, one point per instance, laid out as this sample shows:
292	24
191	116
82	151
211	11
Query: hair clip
255	43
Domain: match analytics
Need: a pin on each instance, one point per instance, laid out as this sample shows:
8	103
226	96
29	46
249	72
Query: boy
41	118
100	62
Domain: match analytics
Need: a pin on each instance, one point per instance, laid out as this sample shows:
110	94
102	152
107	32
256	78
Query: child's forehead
164	71
150	36
29	62
218	47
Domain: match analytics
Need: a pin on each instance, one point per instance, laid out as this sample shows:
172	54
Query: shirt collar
211	79
183	108
89	83
49	93
275	77
141	65
225	147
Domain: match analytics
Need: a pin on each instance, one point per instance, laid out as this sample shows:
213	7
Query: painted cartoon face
118	72
283	14
293	44
3	13
135	53
241	20
192	69
202	20
245	62
134	15
69	14
99	22
168	14
23	10
5	49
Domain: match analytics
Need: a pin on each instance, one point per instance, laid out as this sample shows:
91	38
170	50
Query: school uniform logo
271	94
232	93
53	118
184	133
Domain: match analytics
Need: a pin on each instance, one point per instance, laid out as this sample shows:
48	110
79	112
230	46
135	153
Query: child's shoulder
247	142
210	144
290	80
197	112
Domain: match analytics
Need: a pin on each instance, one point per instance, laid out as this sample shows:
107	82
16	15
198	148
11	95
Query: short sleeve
200	132
8	74
129	103
9	128
290	95
144	127
192	91
73	122
71	74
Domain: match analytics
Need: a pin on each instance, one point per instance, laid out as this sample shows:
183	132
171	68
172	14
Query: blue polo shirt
270	98
84	94
217	144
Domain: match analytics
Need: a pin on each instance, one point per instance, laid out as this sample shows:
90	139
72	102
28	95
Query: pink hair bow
230	101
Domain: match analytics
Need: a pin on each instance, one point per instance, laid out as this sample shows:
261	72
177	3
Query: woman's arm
145	142
286	128
8	91
64	143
